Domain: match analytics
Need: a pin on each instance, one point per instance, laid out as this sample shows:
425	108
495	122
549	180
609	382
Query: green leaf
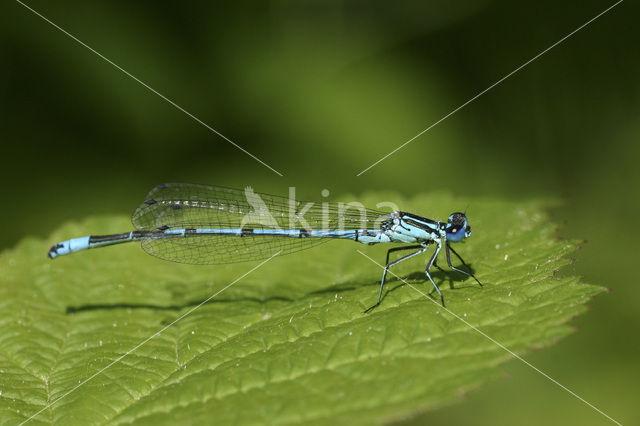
288	343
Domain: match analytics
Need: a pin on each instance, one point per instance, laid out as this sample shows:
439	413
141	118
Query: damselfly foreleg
469	274
395	262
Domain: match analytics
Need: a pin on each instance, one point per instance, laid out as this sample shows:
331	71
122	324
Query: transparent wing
180	205
211	250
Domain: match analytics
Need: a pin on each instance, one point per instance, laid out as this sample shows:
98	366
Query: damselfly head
458	227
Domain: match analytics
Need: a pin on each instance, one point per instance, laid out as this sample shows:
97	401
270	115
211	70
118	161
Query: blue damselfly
200	224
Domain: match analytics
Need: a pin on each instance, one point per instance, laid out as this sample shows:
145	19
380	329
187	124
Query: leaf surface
288	343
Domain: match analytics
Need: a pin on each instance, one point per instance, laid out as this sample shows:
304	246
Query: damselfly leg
469	274
426	271
418	246
422	249
438	267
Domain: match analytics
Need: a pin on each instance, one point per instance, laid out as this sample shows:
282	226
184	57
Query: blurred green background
319	91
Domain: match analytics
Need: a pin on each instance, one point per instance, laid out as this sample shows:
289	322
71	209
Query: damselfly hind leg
469	274
388	265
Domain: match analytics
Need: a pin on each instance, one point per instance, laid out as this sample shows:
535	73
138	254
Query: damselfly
199	224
